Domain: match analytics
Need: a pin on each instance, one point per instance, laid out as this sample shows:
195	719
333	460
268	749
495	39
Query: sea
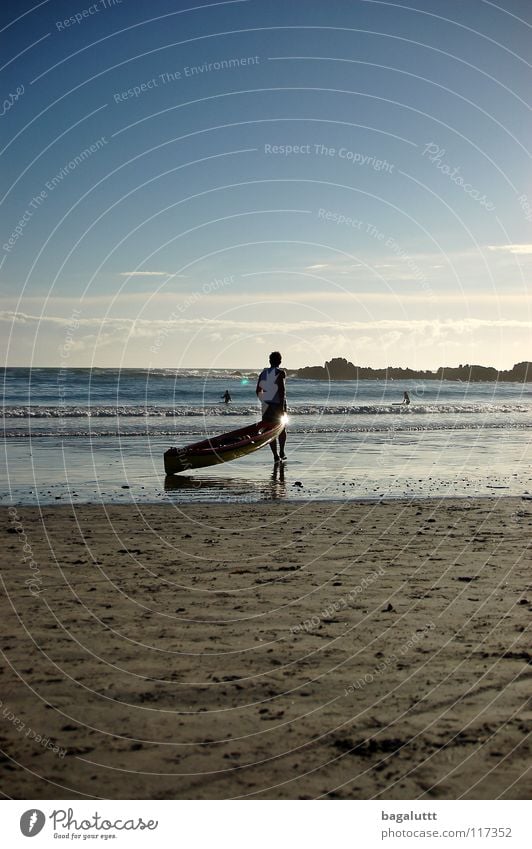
92	435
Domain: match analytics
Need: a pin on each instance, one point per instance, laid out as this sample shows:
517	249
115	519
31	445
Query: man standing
272	393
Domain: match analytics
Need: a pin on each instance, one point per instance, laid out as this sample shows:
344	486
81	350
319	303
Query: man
272	393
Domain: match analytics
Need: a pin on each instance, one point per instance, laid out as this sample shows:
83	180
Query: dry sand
275	650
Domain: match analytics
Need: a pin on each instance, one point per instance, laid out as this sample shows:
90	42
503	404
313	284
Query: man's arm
258	390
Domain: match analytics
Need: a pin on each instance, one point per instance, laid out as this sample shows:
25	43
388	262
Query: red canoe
221	449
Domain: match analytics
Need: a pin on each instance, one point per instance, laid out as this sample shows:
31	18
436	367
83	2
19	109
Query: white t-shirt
267	382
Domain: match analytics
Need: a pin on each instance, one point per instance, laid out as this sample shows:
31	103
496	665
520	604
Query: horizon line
258	368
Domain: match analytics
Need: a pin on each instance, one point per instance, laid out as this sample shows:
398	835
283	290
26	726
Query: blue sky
194	184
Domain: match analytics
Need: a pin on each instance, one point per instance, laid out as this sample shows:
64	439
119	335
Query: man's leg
273	446
282	443
268	415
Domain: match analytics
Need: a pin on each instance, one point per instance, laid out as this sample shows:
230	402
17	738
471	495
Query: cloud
144	273
390	338
164	303
105	341
512	249
149	274
148	327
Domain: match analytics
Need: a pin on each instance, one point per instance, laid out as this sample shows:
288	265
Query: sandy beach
273	650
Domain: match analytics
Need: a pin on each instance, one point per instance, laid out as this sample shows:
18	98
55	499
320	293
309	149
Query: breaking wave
123	411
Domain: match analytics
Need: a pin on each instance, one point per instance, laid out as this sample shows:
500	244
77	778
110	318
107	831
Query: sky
193	184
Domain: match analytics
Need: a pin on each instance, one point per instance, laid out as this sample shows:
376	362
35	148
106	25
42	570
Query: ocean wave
112	374
70	431
107	411
138	411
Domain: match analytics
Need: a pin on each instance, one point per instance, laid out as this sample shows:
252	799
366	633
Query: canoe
221	449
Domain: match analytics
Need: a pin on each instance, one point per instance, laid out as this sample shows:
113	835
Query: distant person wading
271	391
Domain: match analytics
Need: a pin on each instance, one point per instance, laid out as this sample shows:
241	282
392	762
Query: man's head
275	358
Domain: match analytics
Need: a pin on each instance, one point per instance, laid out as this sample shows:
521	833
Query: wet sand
276	650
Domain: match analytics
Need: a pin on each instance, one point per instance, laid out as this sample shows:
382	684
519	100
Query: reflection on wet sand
277	483
221	489
217	488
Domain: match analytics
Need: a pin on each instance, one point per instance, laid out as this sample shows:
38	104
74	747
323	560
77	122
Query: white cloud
190	341
163	303
144	274
390	338
147	327
149	274
512	249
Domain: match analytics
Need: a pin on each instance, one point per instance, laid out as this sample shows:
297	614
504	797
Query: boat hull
221	449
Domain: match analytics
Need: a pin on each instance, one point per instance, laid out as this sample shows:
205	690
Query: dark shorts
272	412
